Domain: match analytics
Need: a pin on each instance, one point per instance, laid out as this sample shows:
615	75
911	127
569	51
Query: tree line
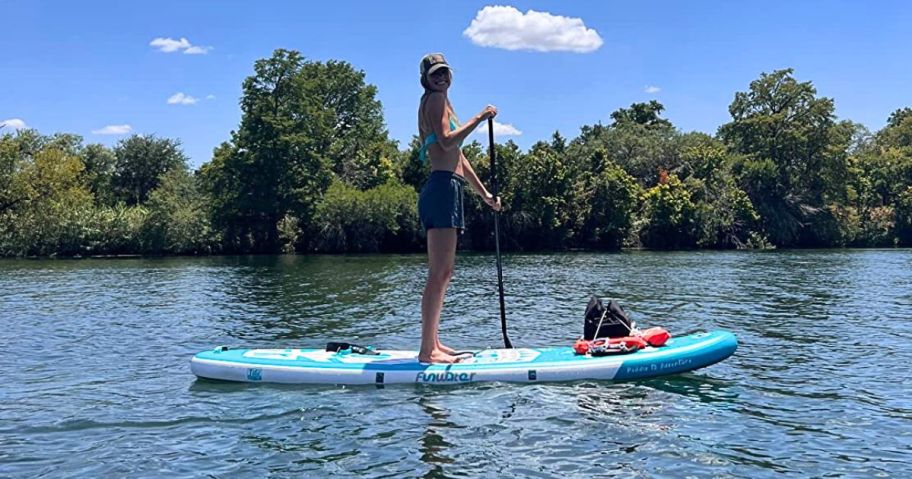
311	168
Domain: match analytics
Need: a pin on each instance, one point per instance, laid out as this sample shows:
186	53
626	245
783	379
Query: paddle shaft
503	312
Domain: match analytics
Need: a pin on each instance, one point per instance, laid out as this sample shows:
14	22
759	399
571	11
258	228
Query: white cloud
500	129
13	123
210	97
170	45
181	99
113	130
508	28
197	50
652	89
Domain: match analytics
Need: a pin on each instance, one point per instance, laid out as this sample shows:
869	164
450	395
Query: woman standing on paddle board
440	202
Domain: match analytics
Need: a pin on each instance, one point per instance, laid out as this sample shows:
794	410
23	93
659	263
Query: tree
303	123
43	204
274	165
795	154
384	218
645	114
177	220
607	200
670	217
413	171
140	161
349	125
638	141
541	200
904	217
98	175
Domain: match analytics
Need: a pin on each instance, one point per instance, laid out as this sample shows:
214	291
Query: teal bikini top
431	139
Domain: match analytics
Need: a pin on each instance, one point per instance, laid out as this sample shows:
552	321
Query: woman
440	202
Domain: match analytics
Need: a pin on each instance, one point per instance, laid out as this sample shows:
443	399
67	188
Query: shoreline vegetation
311	169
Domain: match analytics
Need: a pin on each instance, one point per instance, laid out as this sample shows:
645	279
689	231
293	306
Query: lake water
96	379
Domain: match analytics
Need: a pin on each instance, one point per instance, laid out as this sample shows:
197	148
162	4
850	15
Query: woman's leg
441	258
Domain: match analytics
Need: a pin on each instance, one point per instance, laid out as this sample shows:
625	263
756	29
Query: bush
669	219
384	218
177	222
903	228
609	200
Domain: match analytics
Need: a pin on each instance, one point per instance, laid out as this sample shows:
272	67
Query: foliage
726	217
795	156
42	199
669	220
384	218
140	162
303	124
904	218
641	144
645	114
177	220
541	213
98	175
608	199
311	168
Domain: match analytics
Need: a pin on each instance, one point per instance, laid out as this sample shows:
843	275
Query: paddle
503	313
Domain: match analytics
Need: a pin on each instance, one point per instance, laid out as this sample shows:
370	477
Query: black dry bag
614	321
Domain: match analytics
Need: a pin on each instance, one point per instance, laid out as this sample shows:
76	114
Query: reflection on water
97	384
433	446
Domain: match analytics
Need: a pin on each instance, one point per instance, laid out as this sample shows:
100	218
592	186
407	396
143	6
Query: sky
109	69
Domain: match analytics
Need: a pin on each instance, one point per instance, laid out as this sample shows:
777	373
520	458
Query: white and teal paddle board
316	366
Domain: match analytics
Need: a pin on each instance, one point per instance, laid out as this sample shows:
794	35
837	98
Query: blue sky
94	67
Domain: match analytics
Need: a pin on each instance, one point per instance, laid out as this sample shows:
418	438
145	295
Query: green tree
383	218
638	141
645	114
140	162
177	220
541	216
98	175
46	205
348	125
795	155
904	217
669	220
303	123
413	171
898	132
607	199
881	175
726	218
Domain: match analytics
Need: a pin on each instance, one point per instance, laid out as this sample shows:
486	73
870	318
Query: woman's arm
440	122
472	178
476	184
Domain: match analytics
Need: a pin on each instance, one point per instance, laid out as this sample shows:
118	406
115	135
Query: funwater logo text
446	377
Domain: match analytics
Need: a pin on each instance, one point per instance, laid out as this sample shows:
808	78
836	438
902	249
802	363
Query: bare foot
437	357
445	349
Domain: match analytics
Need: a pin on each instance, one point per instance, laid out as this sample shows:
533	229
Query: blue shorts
440	201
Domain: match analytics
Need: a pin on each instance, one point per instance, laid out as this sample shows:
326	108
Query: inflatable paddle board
528	365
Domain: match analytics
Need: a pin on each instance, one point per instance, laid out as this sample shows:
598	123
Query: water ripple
96	381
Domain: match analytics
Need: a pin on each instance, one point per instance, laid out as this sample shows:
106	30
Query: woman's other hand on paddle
489	111
493	202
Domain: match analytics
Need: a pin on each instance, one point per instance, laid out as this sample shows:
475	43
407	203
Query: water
96	379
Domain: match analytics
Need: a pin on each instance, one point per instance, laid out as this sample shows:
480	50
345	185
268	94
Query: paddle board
316	366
